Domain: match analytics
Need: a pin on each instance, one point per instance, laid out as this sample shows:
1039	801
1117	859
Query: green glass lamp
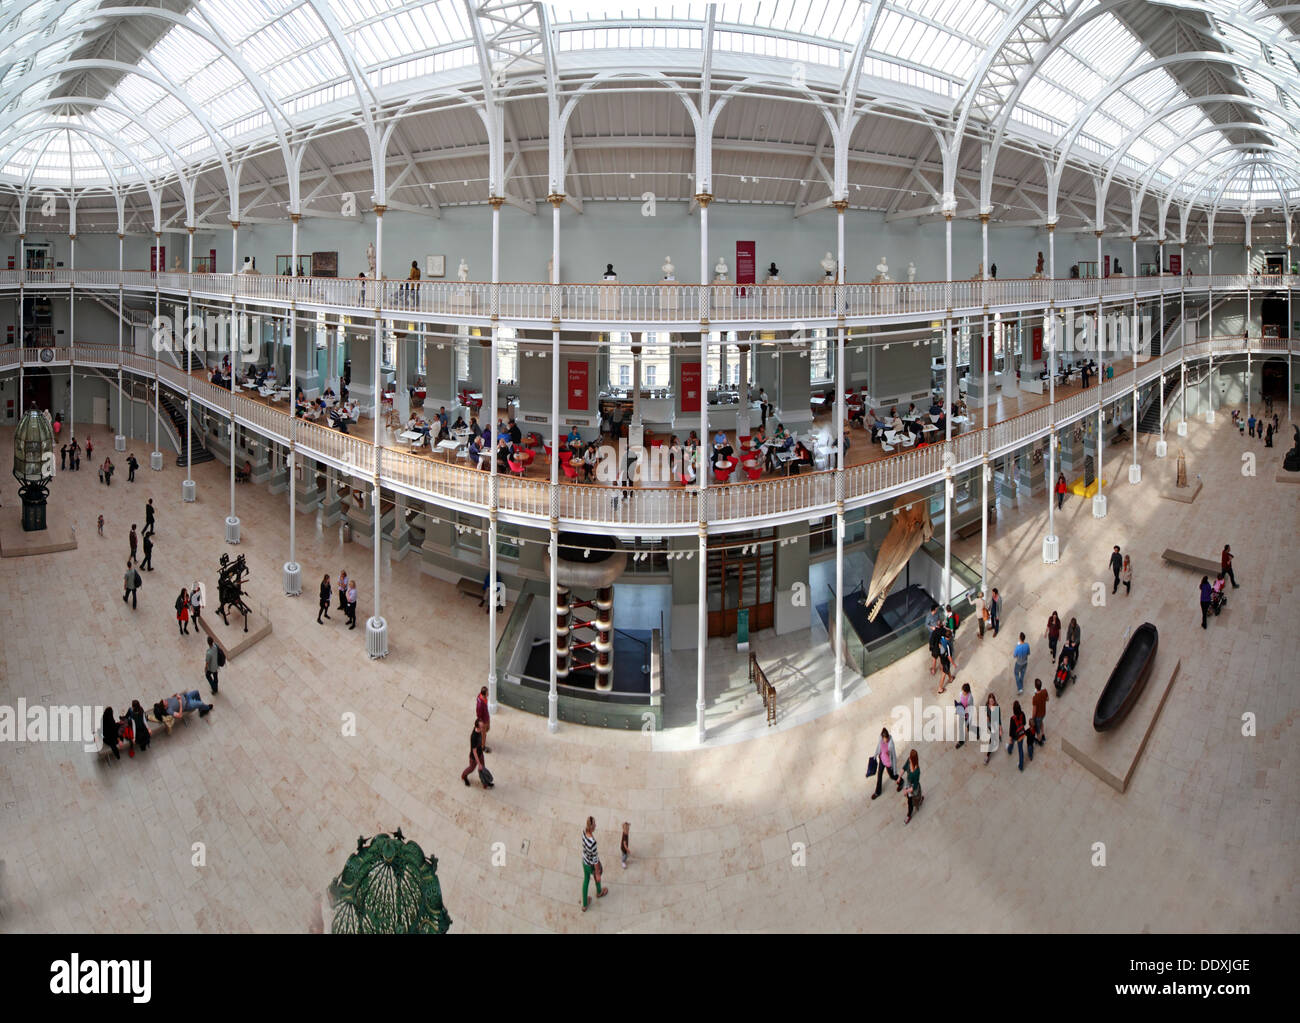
33	466
388	886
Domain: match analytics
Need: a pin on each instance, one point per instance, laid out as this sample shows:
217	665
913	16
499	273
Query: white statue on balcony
462	272
370	258
720	271
669	269
550	271
979	273
911	273
828	266
882	272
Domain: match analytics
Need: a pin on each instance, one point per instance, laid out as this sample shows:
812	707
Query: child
622	845
101	525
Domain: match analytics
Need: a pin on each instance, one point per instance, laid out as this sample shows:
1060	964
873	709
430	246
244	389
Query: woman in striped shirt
590	862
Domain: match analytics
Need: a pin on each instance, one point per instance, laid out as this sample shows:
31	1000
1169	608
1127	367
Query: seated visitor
328	392
589	459
896	424
936	408
516	435
271	377
802	455
503	455
574	440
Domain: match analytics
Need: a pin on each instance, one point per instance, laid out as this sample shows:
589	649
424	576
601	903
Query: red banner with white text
578	386
690	386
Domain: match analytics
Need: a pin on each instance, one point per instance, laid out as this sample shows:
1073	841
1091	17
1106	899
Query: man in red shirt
482	715
1226	562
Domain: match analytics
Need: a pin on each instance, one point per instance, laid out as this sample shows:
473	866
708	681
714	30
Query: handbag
873	765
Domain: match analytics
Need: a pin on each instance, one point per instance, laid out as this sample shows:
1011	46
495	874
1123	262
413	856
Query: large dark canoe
1127	679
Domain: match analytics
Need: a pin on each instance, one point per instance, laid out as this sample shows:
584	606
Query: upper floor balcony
664	306
661	510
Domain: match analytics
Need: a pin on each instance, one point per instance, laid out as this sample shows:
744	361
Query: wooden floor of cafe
861	449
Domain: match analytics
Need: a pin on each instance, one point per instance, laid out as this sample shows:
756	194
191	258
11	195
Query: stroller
1065	673
1218	601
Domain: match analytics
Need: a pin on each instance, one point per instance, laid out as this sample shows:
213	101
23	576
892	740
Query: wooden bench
470	588
968	530
153	724
1203	565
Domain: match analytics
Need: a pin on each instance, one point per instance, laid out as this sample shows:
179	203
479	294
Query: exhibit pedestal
189	491
1135	473
1182	428
232	639
1162	448
232	529
156	461
1099	506
292	579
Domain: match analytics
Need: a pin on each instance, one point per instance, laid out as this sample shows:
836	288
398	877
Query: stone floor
774	832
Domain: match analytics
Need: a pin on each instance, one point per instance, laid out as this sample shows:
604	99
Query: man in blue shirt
1021	655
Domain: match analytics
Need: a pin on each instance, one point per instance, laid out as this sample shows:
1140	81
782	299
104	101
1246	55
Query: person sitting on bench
1120	433
245	474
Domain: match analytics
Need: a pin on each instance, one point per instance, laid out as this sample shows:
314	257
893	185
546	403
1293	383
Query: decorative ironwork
230	588
388	886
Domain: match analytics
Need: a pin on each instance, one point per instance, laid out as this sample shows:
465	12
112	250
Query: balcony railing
667	303
672	507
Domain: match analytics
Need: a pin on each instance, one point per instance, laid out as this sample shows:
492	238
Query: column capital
1133	238
190	228
636	349
485	342
379	208
295	217
1098	233
1051	227
840	205
120	236
743	349
234	224
1210	245
704	198
984	218
72	238
556	199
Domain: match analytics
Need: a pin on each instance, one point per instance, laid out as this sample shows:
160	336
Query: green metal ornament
388	886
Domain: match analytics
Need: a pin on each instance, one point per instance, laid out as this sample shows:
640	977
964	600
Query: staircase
175	409
1150	420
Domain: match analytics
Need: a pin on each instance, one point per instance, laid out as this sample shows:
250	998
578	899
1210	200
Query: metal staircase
175	409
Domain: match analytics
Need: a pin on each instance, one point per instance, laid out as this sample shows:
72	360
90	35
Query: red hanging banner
746	262
690	386
1176	265
157	258
578	385
1037	344
1105	266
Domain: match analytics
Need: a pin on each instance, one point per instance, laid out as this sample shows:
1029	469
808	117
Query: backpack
221	658
137	580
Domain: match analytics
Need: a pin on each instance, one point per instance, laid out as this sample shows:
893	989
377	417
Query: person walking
965	714
1116	566
993	739
1073	634
101	525
886	759
1039	703
947	660
147	563
110	729
912	785
326	591
1268	436
135	542
995	612
591	863
981	613
1061	490
352	604
476	761
482	716
90	448
1225	564
1126	575
1250	424
130	584
1053	633
1207	594
196	605
131	466
1020	661
148	518
63	457
343	592
1017	734
183	612
212	664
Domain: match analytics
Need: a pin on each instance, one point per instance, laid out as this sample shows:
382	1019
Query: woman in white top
196	604
981	612
994	737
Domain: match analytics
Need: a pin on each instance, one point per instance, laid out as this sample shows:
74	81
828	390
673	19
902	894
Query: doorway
37	389
1272	380
737	580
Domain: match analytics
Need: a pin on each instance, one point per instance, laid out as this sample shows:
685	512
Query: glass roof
237	72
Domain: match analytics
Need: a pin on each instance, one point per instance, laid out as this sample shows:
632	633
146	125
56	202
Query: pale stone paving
1204	839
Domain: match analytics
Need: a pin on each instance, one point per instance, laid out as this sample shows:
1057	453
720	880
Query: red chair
565	455
753	471
515	467
547	449
569	470
743	441
722	475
